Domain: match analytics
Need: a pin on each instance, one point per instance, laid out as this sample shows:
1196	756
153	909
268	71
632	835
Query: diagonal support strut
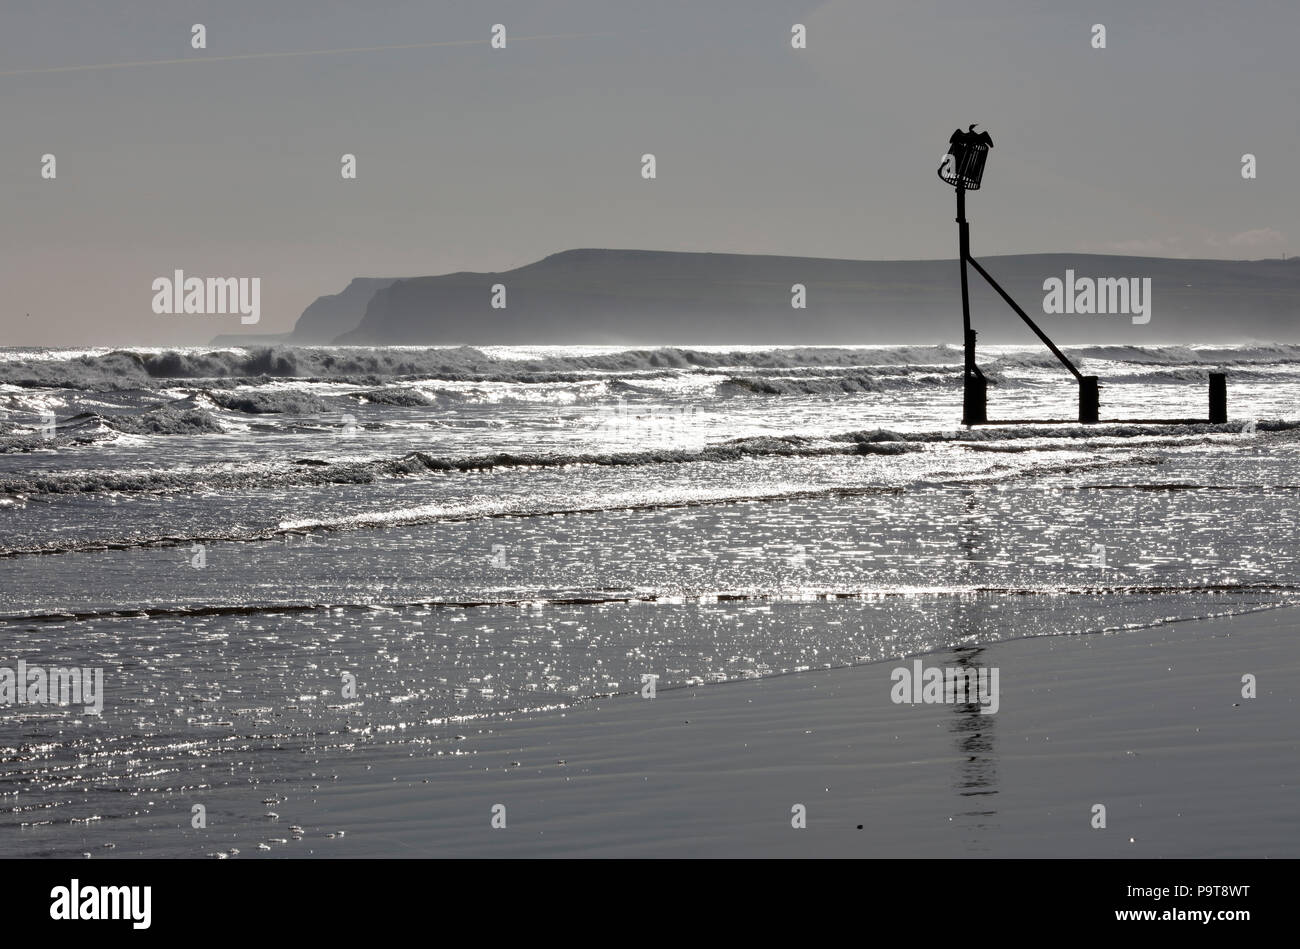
1065	361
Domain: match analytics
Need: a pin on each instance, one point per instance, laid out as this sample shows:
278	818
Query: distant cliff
324	319
651	298
331	316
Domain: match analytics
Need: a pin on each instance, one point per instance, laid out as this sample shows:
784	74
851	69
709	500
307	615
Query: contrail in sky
303	52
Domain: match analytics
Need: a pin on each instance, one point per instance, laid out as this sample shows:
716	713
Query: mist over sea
472	534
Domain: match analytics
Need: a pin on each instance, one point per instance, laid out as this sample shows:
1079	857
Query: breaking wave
313	471
286	401
148	369
449	513
821	380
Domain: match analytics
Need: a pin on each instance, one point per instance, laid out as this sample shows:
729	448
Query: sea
284	565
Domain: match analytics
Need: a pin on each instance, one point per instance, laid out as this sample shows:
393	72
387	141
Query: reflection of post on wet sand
976	779
975	782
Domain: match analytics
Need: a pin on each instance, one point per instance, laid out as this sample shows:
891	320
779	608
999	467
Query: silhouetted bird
971	137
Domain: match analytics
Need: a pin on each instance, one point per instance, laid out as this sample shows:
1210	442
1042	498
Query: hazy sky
471	158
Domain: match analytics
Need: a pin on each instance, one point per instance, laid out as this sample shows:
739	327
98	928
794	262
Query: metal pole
963	230
974	392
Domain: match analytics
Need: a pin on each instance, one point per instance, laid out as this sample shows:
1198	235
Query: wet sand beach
1150	723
